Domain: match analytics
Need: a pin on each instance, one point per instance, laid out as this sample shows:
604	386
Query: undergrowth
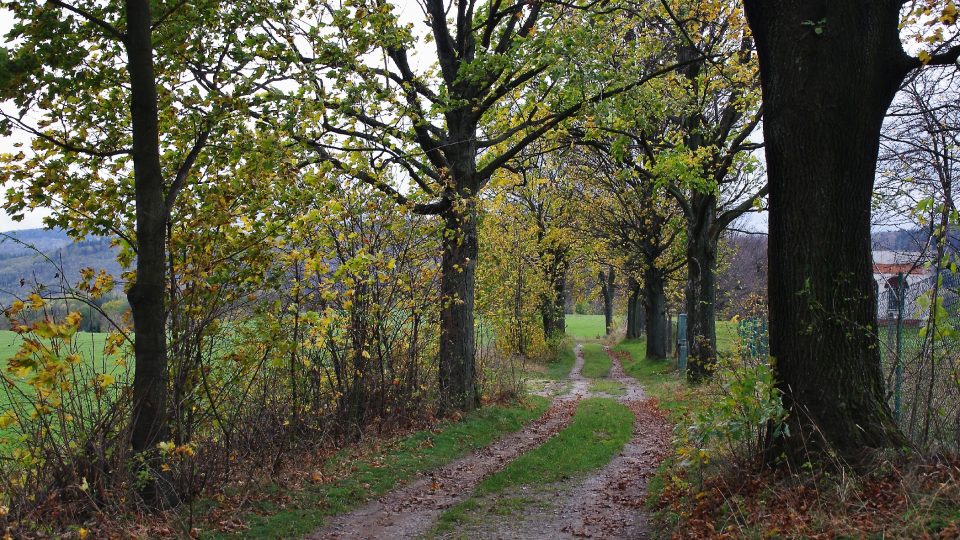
714	484
317	486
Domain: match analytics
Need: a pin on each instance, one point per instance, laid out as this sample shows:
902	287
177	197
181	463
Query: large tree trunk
829	70
457	368
701	287
658	333
146	296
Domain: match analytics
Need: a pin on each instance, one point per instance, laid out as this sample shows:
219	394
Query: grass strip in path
596	363
610	387
599	430
375	473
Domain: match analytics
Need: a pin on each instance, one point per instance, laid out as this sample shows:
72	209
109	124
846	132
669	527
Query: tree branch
93	19
946	58
184	170
431	208
726	218
554	120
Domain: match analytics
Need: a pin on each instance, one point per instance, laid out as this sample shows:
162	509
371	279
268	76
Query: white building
887	267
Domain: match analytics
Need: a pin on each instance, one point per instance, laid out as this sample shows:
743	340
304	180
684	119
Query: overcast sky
32	220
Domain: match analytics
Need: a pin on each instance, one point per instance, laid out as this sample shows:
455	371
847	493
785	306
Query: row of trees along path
828	72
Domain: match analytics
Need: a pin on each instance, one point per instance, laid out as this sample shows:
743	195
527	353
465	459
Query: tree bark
829	71
701	287
457	368
608	289
635	310
655	302
146	296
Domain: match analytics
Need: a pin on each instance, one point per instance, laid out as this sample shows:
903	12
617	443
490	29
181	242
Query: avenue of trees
316	205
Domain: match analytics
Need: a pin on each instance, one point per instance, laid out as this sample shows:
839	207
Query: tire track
411	510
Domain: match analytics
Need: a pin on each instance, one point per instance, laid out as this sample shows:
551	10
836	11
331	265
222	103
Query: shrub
734	417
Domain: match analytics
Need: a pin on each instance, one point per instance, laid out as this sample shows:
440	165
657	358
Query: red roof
879	268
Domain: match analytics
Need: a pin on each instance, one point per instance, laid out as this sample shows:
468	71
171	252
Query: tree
829	71
145	124
547	196
715	180
505	75
693	138
636	310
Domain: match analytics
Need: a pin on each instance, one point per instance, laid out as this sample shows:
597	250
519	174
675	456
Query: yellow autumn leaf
44	329
924	57
949	15
7	419
73	319
36	302
15	307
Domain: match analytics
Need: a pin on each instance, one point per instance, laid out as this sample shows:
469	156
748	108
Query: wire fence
754	338
918	336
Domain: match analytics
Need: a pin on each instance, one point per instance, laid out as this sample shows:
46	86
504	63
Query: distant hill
909	240
21	266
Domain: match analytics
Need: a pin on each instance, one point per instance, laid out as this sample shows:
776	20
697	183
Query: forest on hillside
480	268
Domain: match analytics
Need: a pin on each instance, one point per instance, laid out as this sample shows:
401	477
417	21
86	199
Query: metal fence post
898	380
682	343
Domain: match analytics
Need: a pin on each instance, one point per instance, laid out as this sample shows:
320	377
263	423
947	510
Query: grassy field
586	326
726	336
89	345
590	327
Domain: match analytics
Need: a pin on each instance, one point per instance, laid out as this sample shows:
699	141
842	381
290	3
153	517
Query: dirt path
607	504
610	503
411	510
